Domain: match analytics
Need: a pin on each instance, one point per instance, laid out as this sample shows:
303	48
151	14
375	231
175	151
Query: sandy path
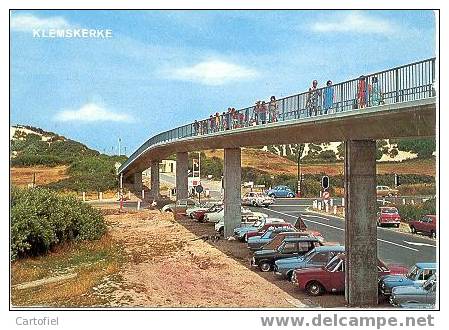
170	269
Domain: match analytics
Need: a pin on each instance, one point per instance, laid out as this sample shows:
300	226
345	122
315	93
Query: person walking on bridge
374	92
211	124
361	92
312	99
217	122
263	112
256	112
328	97
273	109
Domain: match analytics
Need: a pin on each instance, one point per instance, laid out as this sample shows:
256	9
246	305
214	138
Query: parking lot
395	247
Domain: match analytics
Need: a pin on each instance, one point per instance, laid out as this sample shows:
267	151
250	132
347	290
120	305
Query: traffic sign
326	195
199	189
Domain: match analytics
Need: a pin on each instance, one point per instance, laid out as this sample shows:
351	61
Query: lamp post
298	183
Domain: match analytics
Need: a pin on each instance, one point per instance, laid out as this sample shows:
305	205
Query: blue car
280	191
240	232
416	276
257	242
317	257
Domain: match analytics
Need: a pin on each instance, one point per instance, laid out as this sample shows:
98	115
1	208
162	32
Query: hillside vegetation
84	169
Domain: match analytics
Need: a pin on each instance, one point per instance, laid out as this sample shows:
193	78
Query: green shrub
40	219
414	212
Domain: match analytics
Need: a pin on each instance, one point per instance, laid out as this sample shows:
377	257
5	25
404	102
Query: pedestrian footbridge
396	103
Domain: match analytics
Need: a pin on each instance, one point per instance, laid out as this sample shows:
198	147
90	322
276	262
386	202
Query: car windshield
429	283
413	273
309	255
333	263
390	210
257	223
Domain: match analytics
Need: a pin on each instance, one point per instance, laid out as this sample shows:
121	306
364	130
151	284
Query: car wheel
169	210
254	203
244	238
433	234
397	225
272	195
221	231
379	224
265	266
314	289
413	230
290	275
290	195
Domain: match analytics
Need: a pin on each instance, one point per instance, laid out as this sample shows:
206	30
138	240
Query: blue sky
162	69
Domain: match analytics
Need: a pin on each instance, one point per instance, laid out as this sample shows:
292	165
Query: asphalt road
393	246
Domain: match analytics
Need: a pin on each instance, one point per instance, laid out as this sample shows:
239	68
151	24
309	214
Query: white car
203	206
247	220
218	216
257	199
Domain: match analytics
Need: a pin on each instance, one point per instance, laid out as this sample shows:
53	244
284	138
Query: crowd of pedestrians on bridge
318	101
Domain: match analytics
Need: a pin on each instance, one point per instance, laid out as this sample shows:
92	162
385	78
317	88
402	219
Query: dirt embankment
22	176
170	267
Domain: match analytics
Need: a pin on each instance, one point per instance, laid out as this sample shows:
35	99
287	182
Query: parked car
279	238
280	191
199	213
268	226
427	224
180	206
241	232
416	306
331	278
203	206
388	215
385	191
257	199
257	242
425	294
417	275
291	246
247	220
318	257
219	215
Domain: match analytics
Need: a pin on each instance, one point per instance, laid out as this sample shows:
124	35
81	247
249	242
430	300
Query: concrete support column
182	183
360	224
138	182
232	192
154	179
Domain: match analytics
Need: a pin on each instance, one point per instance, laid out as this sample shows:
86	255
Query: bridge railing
404	83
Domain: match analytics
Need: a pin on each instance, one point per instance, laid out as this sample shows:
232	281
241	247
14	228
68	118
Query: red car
267	226
199	214
427	225
388	215
331	278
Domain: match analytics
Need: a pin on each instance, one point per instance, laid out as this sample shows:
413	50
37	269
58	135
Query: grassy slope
270	162
90	261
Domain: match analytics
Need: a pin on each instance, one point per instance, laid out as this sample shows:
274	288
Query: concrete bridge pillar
182	183
361	232
154	193
138	182
232	190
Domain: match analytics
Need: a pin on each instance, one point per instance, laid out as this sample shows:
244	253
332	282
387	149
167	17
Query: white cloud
213	72
29	22
91	112
355	22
